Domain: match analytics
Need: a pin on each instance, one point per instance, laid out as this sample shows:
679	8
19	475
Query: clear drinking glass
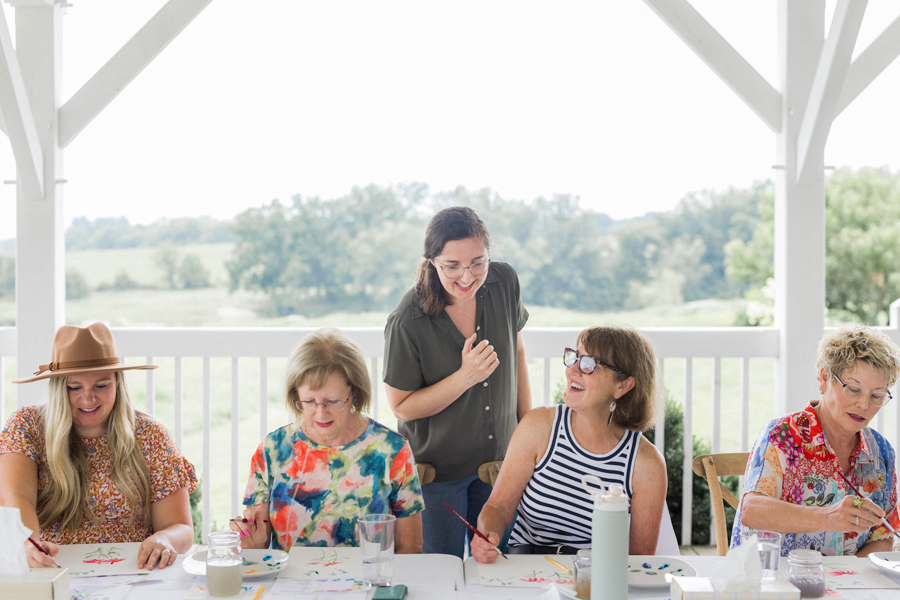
769	544
224	564
376	539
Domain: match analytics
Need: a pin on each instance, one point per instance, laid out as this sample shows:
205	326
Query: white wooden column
40	231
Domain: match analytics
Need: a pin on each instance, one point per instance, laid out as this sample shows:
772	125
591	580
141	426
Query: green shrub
192	274
7	276
674	456
196	515
76	285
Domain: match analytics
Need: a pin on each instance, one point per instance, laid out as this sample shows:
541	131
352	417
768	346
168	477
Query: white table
706	566
426	576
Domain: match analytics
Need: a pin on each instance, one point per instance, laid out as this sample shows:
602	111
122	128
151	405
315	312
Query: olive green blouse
420	351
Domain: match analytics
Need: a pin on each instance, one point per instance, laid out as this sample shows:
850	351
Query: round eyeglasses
330	405
587	364
854	392
456	271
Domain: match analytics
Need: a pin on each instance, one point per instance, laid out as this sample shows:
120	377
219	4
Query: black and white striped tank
555	509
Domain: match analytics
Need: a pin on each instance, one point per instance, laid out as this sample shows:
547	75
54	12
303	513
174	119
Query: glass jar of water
807	573
224	564
583	574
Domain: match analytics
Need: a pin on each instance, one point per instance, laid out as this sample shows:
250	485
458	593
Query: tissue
742	569
12	543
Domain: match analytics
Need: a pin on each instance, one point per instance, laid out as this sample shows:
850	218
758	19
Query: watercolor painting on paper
92	560
311	562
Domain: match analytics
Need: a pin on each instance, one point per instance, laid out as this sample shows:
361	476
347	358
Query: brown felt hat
82	350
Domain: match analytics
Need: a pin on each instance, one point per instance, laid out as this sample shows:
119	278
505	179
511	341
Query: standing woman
88	468
454	369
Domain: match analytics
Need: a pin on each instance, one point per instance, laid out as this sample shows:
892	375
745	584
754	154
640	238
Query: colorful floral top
792	461
315	493
117	521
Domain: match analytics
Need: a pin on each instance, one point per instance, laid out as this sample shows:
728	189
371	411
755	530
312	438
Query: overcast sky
265	99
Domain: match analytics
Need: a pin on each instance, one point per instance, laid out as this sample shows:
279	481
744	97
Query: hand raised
846	516
483	551
253	526
478	362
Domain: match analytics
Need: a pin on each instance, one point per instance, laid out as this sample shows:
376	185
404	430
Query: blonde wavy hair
319	355
64	498
852	342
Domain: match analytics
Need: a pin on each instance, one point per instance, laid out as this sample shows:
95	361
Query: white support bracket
18	119
722	58
870	64
834	62
138	52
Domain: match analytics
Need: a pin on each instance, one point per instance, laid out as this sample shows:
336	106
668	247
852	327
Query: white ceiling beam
138	52
18	119
722	58
834	62
870	64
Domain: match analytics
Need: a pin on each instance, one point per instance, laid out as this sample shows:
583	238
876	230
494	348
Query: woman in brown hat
87	467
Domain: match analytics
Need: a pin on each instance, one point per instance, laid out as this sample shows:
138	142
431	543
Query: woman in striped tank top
611	398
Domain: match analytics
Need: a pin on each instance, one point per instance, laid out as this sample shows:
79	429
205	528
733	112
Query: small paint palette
651	571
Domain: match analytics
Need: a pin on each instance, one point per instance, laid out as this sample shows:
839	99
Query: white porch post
40	232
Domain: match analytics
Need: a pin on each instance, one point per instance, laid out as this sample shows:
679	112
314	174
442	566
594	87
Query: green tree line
358	252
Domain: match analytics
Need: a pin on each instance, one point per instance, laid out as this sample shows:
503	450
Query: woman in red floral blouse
797	475
87	467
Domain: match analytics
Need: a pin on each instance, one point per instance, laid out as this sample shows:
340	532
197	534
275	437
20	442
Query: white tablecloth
428	576
706	566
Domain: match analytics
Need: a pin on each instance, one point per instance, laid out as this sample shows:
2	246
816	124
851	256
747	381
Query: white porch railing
193	352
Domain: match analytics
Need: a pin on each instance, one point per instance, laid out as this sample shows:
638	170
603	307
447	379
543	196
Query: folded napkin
742	569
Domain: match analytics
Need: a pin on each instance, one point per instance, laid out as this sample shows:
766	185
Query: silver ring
857	520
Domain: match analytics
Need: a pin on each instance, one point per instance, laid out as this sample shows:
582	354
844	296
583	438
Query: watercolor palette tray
257	563
651	571
886	561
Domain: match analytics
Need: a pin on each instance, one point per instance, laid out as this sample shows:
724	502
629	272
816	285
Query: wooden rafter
138	52
834	62
870	64
722	58
18	120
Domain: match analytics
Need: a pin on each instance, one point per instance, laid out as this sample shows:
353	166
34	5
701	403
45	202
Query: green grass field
215	306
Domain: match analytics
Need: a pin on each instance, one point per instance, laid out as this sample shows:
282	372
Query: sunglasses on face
587	364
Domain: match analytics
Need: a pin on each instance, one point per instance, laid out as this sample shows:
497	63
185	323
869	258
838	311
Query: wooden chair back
426	473
489	471
711	467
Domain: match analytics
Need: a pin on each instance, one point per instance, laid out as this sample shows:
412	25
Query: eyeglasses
330	405
854	392
587	364
455	271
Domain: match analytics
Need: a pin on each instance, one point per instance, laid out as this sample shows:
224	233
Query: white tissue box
701	588
39	584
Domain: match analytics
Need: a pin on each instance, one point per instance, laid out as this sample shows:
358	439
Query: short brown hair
629	351
450	224
319	355
852	342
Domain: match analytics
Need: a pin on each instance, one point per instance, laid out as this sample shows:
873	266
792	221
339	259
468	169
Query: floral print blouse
315	493
117	521
792	461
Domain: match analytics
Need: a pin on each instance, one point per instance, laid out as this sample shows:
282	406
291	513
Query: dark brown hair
629	351
450	224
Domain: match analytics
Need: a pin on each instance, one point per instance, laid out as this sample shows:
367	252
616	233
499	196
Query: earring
612	408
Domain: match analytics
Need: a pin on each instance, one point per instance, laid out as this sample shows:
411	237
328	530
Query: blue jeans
442	532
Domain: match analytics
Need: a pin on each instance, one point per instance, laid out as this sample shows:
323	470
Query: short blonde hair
852	342
630	352
319	355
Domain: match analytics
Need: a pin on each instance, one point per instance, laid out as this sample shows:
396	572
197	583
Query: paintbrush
883	520
559	565
475	531
41	548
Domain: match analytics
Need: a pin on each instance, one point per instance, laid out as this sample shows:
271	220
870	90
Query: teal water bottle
609	541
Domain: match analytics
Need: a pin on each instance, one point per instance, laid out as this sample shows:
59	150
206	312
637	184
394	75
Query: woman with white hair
87	467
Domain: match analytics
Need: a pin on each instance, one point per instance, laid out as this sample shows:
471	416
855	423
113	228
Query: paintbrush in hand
475	531
858	495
